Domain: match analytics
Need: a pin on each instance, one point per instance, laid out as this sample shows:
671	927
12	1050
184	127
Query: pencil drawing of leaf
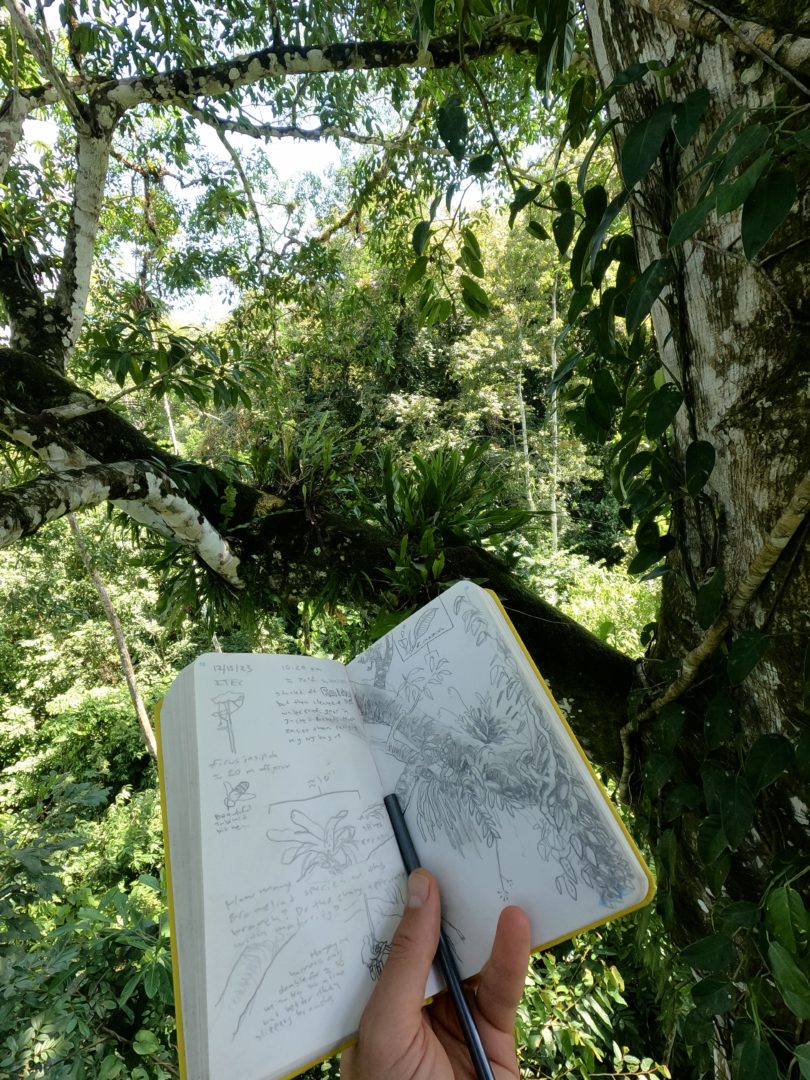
423	625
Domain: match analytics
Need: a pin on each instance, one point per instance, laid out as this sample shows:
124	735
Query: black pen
444	954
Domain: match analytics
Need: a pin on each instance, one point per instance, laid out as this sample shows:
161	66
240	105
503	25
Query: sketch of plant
248	972
375	950
237	793
542	778
329	847
410	640
226	705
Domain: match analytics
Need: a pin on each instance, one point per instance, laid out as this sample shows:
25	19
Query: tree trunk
118	633
730	332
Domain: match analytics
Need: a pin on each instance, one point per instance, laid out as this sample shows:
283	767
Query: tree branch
237	164
788	52
242	126
93	154
281	61
45	61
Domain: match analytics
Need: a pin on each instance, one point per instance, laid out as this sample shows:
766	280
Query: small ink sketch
226	705
238	793
422	628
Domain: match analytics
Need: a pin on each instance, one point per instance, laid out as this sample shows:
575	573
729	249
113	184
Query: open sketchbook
285	880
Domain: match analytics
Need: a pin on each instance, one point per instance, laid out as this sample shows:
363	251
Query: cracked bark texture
734	335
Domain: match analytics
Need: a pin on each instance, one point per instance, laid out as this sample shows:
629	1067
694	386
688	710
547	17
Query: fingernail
418	888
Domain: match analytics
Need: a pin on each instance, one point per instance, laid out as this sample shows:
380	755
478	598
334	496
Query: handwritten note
288	785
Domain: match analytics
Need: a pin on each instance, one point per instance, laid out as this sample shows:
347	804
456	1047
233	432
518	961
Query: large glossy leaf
643	143
747	650
698	465
755	1061
767	759
689	113
709	600
790	980
661	411
765	209
712	953
453	126
646	291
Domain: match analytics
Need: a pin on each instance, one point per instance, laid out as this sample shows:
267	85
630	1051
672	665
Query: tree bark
732	334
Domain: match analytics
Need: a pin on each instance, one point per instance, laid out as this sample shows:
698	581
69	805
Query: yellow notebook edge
167	862
651	885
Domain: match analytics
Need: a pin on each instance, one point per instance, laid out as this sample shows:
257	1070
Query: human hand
401	1040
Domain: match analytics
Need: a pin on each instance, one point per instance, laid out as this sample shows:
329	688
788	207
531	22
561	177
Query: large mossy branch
287	549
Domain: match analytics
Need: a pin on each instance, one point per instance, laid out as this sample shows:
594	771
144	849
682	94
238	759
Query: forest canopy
542	325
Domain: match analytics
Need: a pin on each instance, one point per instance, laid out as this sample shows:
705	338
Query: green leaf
582	174
481	164
563	229
453	126
767	759
755	1061
605	387
747	650
787	919
718	724
736	811
643	143
475	299
747	142
711	840
712	953
579	301
713	996
661	411
537	230
688	115
741	914
690	221
681	799
802	1053
658	769
598	412
709	600
790	980
416	272
733	194
420	237
561	195
523	196
670	724
646	291
111	1066
698	465
765	209
145	1042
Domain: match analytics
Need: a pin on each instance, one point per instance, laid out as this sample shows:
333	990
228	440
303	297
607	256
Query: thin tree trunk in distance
555	419
527	470
118	633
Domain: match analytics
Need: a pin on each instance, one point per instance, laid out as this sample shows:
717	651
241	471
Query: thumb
400	992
